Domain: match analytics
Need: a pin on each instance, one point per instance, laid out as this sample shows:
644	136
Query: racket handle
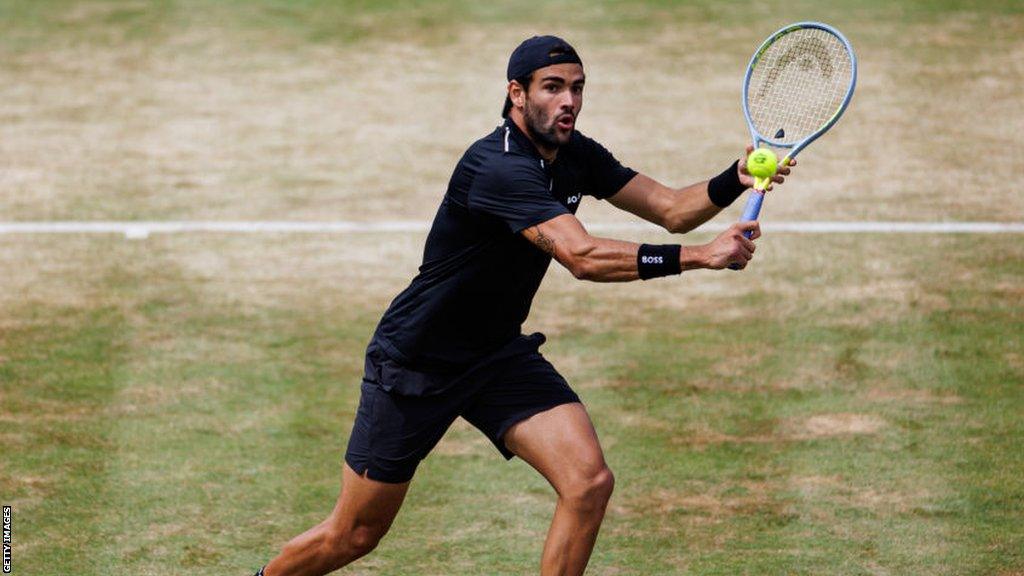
750	212
752	209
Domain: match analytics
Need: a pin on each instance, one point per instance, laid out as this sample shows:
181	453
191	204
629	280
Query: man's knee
347	544
590	491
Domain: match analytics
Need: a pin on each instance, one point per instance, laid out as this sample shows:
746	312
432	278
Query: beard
542	128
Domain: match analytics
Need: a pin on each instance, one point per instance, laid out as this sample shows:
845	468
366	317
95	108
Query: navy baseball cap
535	53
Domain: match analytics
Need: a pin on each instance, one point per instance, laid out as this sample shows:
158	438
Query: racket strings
798	84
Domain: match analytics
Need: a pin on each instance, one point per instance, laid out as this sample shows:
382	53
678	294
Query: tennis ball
762	163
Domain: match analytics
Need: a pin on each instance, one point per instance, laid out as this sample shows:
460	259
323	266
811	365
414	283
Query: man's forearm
609	260
679	210
692	208
601	260
700	202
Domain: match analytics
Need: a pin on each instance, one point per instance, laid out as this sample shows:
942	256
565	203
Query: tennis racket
799	82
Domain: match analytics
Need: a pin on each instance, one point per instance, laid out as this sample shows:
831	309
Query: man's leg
362	516
562	445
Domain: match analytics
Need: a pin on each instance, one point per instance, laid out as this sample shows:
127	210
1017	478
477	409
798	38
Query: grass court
849	405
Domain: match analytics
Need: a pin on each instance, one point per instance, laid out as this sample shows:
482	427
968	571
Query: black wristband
726	187
654	260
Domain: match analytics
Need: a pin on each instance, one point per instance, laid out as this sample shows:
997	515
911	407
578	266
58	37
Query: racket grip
750	212
752	209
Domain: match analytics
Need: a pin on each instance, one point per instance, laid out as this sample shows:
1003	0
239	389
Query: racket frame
753	206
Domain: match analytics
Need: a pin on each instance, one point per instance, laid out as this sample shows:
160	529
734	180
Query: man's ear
516	94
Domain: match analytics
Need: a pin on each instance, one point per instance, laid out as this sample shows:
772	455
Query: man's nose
565	101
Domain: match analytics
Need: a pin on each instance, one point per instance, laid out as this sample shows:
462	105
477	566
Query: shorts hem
367	471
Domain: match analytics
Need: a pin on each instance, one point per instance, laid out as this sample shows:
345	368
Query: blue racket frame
753	206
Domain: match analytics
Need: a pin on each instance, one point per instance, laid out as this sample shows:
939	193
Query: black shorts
394	431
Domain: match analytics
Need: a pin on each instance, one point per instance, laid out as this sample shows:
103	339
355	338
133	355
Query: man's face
553	102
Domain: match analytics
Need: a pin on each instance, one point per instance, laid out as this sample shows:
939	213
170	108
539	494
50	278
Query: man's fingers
743	160
749	226
748	244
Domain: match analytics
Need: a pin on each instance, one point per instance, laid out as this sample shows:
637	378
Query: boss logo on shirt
652	259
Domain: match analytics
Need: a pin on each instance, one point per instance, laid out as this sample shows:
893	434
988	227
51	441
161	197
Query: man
450	344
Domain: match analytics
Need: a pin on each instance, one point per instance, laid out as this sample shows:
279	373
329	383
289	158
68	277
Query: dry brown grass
838	491
821	426
206	123
705	507
906	396
828	425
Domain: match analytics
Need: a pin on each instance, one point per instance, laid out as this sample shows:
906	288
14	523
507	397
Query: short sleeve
605	175
516	192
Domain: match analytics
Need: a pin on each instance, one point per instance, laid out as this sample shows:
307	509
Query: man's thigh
366	503
560	443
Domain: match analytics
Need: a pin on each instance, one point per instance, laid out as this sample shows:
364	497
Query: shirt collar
514	134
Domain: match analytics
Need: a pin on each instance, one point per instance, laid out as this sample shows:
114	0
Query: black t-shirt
479	274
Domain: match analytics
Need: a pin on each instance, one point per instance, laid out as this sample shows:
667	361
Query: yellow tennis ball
762	163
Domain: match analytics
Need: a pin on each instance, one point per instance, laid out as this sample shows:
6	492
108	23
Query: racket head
798	83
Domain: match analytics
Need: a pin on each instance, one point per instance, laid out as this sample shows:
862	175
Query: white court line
142	229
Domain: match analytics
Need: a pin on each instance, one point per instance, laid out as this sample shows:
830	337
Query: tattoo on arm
543	242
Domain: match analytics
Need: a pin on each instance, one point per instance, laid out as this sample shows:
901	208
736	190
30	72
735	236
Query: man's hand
747	180
730	247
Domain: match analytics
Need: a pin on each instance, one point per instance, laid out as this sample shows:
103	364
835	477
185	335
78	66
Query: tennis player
451	345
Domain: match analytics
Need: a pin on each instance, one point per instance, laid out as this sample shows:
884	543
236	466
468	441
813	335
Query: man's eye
577	89
551	88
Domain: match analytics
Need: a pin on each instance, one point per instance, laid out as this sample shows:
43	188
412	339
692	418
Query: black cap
535	53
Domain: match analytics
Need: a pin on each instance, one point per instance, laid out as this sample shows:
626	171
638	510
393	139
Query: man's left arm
680	210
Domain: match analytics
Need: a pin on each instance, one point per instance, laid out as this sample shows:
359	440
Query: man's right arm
607	260
683	209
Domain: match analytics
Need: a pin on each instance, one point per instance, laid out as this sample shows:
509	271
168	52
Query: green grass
176	415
